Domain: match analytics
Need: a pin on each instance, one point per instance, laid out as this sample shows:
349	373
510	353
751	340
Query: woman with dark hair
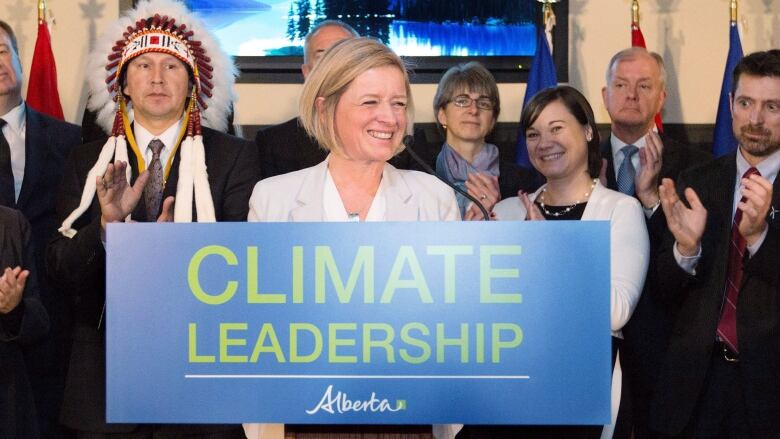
563	145
467	105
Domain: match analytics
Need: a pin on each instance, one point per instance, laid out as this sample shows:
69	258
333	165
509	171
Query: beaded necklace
568	208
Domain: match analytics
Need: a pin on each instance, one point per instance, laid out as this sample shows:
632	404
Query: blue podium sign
359	323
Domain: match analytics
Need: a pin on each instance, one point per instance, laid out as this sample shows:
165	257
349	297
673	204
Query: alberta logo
340	403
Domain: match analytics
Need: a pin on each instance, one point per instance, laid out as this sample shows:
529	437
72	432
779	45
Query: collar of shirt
15	120
768	168
168	138
617	155
333	206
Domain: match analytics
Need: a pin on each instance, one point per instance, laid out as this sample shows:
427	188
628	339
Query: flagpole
733	7
548	20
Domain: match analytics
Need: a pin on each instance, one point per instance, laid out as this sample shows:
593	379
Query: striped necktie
727	326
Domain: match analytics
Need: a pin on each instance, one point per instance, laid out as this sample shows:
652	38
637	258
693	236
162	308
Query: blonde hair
340	65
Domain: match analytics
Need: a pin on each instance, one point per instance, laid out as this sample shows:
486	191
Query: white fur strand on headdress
113	147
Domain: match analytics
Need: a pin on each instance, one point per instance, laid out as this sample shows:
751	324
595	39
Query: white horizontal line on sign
367	377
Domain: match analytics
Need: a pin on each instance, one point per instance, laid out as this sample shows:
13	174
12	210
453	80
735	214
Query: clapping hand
485	189
116	197
532	212
686	224
757	196
650	161
11	288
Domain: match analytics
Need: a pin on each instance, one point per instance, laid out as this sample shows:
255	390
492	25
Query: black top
557	212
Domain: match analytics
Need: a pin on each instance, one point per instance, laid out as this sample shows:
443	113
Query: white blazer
629	244
298	196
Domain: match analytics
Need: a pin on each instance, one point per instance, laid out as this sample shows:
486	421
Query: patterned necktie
727	326
626	173
154	188
7	190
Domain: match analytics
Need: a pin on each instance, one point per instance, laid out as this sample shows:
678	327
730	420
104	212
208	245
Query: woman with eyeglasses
467	105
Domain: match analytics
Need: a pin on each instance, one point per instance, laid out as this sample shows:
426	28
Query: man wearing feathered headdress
163	90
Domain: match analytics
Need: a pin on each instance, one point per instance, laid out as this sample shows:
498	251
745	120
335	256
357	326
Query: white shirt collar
168	137
15	118
768	167
618	144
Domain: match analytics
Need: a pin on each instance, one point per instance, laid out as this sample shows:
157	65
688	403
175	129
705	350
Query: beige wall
692	35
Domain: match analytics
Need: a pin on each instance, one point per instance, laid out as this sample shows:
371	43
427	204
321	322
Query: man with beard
721	282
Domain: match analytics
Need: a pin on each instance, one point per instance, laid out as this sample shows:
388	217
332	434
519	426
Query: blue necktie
626	173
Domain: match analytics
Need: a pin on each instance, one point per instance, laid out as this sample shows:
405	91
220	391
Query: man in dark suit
634	94
23	320
34	147
211	174
721	283
286	147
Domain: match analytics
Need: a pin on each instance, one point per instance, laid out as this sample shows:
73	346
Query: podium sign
359	323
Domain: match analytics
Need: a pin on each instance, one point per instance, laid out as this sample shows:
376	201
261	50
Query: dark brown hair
578	106
757	64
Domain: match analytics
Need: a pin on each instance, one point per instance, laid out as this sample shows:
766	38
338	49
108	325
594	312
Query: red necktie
727	326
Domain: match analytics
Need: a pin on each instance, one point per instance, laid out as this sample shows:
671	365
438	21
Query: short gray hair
321	25
471	76
632	53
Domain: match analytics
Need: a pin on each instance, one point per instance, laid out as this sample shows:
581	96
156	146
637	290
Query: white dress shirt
15	133
167	137
618	156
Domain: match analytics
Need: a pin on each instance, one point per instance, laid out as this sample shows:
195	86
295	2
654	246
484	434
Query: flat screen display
412	28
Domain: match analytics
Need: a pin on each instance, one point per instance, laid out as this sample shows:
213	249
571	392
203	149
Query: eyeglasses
464	101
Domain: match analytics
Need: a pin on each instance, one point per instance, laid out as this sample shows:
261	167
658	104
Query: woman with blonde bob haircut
357	104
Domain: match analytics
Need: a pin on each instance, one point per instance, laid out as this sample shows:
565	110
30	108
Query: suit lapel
723	193
773	217
399	197
606	153
670	159
36	149
309	197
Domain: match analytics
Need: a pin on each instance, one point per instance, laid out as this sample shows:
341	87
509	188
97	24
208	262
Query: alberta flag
542	75
723	140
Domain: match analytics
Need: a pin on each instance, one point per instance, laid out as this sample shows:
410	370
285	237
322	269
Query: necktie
727	326
7	190
626	173
154	187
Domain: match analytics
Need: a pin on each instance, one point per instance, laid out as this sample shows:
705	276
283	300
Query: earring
444	126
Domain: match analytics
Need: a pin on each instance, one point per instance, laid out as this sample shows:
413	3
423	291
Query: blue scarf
455	169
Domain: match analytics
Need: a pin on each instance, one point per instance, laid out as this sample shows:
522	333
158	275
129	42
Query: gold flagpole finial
547	9
733	7
635	11
41	11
